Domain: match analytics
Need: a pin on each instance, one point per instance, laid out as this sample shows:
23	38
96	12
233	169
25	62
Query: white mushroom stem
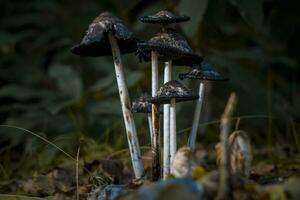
154	71
166	124
150	125
126	109
173	146
193	132
155	142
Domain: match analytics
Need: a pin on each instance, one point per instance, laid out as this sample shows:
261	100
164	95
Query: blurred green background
70	99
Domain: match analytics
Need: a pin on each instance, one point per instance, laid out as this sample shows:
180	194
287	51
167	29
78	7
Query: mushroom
170	47
170	93
107	35
203	72
165	17
141	105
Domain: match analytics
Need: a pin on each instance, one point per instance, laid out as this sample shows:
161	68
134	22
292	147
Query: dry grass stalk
77	173
224	131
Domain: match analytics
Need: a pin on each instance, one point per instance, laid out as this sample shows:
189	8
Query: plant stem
224	185
173	146
126	110
193	132
166	146
155	142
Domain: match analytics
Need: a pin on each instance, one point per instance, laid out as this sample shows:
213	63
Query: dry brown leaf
239	151
182	163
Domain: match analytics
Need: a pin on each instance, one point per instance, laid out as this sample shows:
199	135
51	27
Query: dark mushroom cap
187	60
164	17
169	45
141	105
95	41
173	90
203	72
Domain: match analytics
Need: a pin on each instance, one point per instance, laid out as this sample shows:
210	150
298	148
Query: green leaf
56	106
103	83
68	81
19	92
196	10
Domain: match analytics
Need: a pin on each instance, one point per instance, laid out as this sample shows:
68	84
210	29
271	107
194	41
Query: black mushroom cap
96	43
142	105
173	90
187	60
204	71
164	17
169	45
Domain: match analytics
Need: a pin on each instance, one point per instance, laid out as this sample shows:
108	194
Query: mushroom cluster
107	35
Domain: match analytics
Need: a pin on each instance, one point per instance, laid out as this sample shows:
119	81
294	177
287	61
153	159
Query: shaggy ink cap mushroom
203	72
173	90
169	45
187	60
164	17
142	105
95	42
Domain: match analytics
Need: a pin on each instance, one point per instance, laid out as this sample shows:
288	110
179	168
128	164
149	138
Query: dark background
69	99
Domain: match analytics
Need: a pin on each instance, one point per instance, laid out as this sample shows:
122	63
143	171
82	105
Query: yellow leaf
198	172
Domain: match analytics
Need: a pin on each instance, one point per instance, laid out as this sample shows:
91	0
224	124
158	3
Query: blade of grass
77	172
296	135
14	197
46	141
232	118
41	138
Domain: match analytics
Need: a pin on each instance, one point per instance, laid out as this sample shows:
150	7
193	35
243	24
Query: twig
237	123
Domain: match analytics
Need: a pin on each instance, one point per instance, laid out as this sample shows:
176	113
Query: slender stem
166	146
150	125
154	69
193	132
77	173
133	142
155	142
173	146
224	184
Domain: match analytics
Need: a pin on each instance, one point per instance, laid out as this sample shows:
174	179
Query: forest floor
273	176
